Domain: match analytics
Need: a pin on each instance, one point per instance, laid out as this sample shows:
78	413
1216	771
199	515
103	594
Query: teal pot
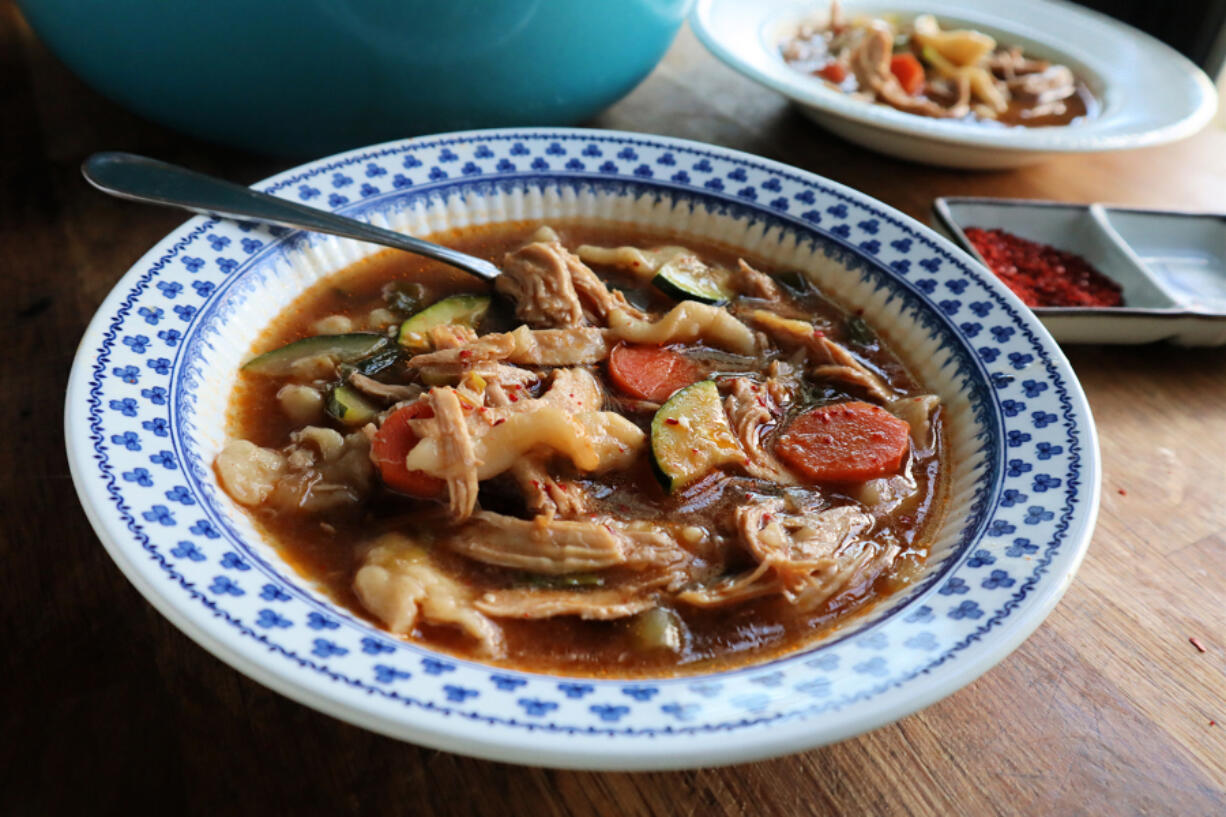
310	77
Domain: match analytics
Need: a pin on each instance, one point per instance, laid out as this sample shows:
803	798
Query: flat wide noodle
687	322
400	584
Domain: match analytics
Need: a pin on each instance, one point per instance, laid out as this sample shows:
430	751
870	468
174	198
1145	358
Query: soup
922	69
638	454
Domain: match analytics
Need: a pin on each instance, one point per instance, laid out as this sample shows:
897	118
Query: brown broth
327	551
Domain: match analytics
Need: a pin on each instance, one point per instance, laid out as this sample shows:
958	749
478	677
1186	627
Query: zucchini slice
345	348
687	278
380	360
350	407
457	309
690	436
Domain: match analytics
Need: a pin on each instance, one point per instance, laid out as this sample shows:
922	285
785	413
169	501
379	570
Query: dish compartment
1171	266
1184	252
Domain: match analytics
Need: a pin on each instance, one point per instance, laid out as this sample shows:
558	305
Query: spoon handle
139	178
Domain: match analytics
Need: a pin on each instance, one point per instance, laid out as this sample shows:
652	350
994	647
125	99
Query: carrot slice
909	71
650	372
833	71
845	442
393	442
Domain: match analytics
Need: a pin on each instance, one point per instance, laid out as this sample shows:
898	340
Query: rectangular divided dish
1171	265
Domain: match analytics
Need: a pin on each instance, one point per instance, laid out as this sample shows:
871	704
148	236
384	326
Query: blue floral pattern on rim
140	380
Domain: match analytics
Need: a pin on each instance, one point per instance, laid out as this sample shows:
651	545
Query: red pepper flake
672	421
536	484
1042	275
1196	643
1213	723
817	333
500	421
1123	492
766	517
512	398
693	450
465	354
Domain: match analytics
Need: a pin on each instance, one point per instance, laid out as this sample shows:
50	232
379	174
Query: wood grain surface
1107	709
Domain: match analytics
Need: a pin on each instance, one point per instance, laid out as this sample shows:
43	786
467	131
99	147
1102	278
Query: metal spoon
139	178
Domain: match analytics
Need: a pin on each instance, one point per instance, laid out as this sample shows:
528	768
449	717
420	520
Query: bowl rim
632	754
1083	137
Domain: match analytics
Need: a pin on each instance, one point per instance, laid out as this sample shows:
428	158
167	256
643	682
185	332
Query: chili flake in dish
1042	275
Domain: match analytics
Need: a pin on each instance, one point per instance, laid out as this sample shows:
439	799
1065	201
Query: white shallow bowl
145	414
1149	93
1171	265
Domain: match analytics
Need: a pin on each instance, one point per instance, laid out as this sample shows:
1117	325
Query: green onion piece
858	332
405	297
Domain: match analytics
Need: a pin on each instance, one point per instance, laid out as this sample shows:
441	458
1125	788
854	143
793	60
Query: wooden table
1107	709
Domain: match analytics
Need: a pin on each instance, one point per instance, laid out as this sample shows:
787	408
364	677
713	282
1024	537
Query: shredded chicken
538	279
543	494
1009	63
917	412
536	603
753	409
491	372
597	298
755	284
553	288
794	545
870	62
855	375
451	335
539	545
807	558
1053	84
384	391
400	584
526	347
558	546
456	453
833	361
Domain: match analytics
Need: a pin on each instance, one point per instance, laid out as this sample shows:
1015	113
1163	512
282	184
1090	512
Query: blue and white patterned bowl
146	409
